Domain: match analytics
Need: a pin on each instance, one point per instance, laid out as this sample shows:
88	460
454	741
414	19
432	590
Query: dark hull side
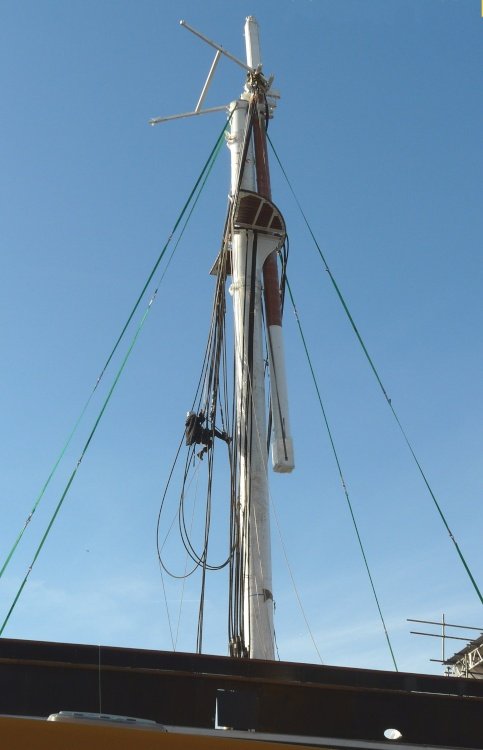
186	690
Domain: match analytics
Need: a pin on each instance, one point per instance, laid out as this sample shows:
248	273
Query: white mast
251	247
257	231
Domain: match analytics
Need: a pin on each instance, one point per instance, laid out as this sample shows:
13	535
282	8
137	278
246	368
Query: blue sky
379	129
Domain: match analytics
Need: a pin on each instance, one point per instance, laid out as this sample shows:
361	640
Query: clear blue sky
379	128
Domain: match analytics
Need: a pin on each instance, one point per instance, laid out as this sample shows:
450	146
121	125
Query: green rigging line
373	368
206	169
74	472
204	172
339	468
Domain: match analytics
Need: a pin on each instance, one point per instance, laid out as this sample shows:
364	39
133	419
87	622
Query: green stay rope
200	181
371	363
339	468
72	476
207	170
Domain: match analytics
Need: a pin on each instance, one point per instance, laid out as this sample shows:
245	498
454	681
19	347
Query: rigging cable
183	585
339	468
204	173
74	472
206	169
376	374
211	396
284	550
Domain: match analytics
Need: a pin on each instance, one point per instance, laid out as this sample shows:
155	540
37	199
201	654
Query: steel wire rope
223	405
167	611
211	396
163	566
339	469
233	608
237	348
207	349
185	576
212	392
209	377
287	562
183	585
188	461
289	567
284	255
201	608
379	381
198	558
204	173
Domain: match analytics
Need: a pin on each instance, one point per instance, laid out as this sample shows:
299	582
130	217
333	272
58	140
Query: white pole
282	445
252	42
248	257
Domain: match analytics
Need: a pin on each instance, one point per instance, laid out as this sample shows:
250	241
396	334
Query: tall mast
257	232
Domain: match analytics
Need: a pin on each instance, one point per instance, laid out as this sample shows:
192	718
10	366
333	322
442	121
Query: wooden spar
271	286
282	445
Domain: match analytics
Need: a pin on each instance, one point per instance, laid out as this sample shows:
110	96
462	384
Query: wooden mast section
258	231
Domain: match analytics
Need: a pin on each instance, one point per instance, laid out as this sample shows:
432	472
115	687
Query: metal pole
248	257
209	78
214	45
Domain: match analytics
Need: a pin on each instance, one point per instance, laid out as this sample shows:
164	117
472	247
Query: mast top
253	68
252	43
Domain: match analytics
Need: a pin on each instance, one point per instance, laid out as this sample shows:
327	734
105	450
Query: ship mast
258	231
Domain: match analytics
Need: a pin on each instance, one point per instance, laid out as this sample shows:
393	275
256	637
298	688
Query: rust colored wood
261	153
271	289
271	286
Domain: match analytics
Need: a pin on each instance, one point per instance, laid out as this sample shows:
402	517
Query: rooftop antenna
219	52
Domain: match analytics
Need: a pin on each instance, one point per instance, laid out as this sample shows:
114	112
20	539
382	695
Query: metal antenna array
468	659
219	52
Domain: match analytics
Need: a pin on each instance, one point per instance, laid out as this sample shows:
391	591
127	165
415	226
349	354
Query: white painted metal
252	42
249	252
215	45
157	120
235	143
208	80
282	444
